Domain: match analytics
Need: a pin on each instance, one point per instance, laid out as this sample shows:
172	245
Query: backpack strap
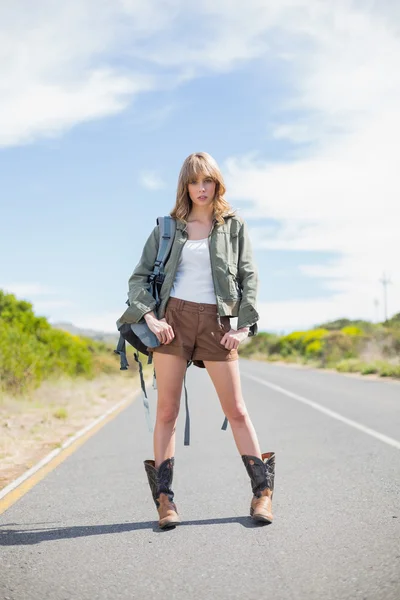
143	386
187	420
121	350
167	227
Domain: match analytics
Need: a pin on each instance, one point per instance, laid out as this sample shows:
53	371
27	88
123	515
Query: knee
167	414
237	416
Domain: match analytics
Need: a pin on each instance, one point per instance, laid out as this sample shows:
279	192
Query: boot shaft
261	472
160	480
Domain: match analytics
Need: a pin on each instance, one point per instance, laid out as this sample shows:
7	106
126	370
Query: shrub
31	350
369	369
389	370
352	330
339	346
261	343
314	349
350	365
296	343
349	346
60	413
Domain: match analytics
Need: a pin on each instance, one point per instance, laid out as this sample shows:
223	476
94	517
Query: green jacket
233	270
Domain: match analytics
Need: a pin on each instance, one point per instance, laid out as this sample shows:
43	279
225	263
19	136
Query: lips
202	197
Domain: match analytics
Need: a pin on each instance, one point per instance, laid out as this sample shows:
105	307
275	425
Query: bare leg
226	379
170	371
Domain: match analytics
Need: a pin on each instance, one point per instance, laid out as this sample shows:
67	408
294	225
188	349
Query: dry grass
32	426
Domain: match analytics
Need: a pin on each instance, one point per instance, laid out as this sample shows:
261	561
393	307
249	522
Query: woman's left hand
232	338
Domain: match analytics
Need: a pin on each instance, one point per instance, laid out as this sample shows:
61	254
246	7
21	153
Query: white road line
331	413
49	457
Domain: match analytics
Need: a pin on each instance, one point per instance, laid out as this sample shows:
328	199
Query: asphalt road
88	530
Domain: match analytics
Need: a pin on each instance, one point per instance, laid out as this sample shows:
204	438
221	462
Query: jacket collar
182	226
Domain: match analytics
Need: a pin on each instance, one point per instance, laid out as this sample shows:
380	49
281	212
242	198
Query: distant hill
100	336
341	323
367	326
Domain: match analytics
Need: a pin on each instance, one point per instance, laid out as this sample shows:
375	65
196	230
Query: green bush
296	343
350	365
393	322
259	344
342	344
352	330
31	350
389	370
369	369
314	349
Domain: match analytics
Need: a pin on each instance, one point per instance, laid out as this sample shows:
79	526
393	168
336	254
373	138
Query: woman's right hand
161	329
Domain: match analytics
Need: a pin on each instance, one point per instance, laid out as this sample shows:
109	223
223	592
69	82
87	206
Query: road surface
88	530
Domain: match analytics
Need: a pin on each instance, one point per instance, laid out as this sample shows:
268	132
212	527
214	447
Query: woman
210	276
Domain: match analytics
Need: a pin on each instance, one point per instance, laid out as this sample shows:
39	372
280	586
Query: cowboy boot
160	481
262	475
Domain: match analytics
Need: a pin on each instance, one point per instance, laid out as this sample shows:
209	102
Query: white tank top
193	279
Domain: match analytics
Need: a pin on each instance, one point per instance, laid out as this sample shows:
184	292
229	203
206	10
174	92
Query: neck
205	215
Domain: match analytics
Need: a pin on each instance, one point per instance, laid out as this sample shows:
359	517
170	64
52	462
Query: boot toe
262	517
170	521
261	507
167	512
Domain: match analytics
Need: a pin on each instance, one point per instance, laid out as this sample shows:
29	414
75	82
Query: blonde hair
200	163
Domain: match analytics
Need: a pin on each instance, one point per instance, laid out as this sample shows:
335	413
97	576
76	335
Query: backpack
167	226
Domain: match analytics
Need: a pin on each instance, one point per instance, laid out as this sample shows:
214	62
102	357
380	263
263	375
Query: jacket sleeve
248	277
140	299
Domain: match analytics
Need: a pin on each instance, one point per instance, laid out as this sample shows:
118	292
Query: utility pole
385	282
376	304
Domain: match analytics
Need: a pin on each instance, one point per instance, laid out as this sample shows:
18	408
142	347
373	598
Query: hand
164	332
232	338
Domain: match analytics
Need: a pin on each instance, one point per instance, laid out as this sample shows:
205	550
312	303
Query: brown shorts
197	332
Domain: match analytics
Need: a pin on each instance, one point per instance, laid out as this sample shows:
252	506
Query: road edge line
327	411
25	482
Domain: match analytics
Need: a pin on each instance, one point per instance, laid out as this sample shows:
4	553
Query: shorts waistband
180	304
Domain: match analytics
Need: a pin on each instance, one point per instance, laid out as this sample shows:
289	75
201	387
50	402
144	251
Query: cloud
63	64
339	192
151	181
38	295
43	306
338	188
23	290
59	67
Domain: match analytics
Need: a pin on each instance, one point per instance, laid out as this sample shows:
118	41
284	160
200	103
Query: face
202	190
